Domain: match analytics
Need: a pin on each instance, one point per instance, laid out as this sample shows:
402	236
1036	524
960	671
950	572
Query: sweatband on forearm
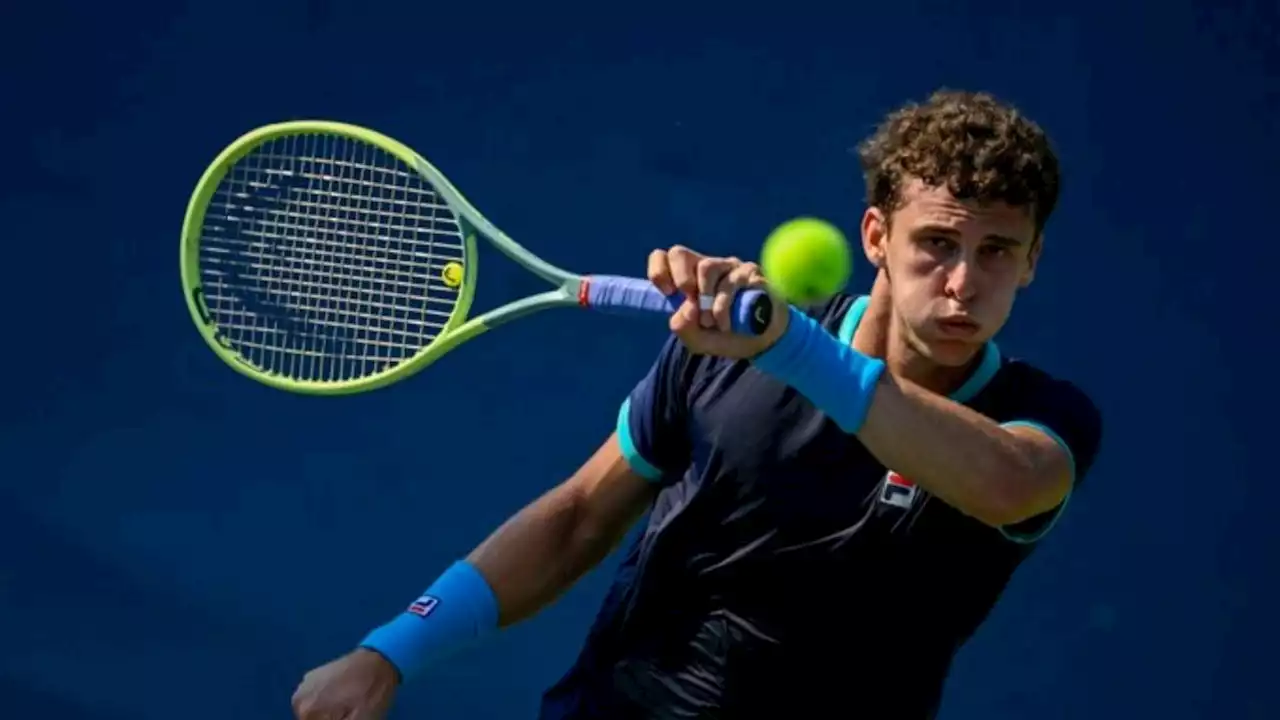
458	609
837	379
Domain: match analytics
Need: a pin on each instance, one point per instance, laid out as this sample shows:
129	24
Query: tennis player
833	506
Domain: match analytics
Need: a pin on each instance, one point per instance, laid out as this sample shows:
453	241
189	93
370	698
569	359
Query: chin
950	352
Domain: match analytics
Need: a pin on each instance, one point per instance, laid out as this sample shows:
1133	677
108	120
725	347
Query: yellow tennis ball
806	260
451	273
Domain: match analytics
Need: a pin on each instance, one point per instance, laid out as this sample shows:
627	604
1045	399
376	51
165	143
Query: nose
962	281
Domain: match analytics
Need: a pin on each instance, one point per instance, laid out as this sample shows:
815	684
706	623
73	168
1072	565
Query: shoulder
1030	395
1026	386
832	313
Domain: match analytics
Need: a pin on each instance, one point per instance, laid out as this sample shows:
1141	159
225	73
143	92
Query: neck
880	334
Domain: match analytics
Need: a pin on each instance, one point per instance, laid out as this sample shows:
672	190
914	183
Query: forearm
542	551
522	567
961	456
955	453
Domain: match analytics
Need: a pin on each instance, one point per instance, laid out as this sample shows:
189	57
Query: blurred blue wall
177	542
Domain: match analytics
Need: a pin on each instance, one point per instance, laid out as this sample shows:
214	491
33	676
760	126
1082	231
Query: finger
314	713
685	317
711	275
659	272
684	269
329	713
755	278
722	307
363	710
301	704
687	327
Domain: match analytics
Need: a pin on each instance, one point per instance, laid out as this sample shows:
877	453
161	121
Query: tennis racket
324	258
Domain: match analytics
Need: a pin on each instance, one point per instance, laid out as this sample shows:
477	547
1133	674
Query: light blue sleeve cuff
1032	537
642	467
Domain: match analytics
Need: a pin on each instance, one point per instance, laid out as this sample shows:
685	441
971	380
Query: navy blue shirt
783	571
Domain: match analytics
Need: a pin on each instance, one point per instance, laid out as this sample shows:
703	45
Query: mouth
958	326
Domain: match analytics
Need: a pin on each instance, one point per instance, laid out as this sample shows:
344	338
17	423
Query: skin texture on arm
542	550
995	474
953	260
998	475
528	561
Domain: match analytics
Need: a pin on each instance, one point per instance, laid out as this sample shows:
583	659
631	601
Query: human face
953	267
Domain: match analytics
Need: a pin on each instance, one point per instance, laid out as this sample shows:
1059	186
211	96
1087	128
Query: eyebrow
1004	240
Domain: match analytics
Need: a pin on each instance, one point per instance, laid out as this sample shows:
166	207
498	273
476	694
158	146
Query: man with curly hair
833	506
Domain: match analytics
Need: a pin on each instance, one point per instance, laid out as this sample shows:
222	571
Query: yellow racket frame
456	330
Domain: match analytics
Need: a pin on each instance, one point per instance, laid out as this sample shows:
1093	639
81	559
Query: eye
938	242
997	251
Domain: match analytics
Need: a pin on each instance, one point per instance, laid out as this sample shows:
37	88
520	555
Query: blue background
178	542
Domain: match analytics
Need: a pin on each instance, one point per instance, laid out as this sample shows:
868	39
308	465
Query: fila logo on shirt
423	606
898	491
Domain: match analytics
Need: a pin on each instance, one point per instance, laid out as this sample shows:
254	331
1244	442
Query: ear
1033	259
875	236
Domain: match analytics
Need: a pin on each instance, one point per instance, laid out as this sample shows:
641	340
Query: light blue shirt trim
642	467
981	377
1029	538
852	317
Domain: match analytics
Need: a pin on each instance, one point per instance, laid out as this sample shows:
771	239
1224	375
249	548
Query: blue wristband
459	608
837	379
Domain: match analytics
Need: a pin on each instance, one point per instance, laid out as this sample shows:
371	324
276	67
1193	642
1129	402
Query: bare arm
546	547
527	563
999	475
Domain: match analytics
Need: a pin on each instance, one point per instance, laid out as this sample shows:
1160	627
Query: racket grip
750	315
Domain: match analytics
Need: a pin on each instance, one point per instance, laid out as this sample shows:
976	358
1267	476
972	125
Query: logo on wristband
424	605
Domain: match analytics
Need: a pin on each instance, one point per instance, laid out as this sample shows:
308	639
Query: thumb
685	318
362	713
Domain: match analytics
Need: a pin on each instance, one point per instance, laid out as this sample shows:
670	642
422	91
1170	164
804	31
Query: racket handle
750	315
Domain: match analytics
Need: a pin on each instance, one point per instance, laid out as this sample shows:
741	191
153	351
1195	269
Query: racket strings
322	258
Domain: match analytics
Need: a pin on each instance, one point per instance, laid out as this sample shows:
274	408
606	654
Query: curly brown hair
978	147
